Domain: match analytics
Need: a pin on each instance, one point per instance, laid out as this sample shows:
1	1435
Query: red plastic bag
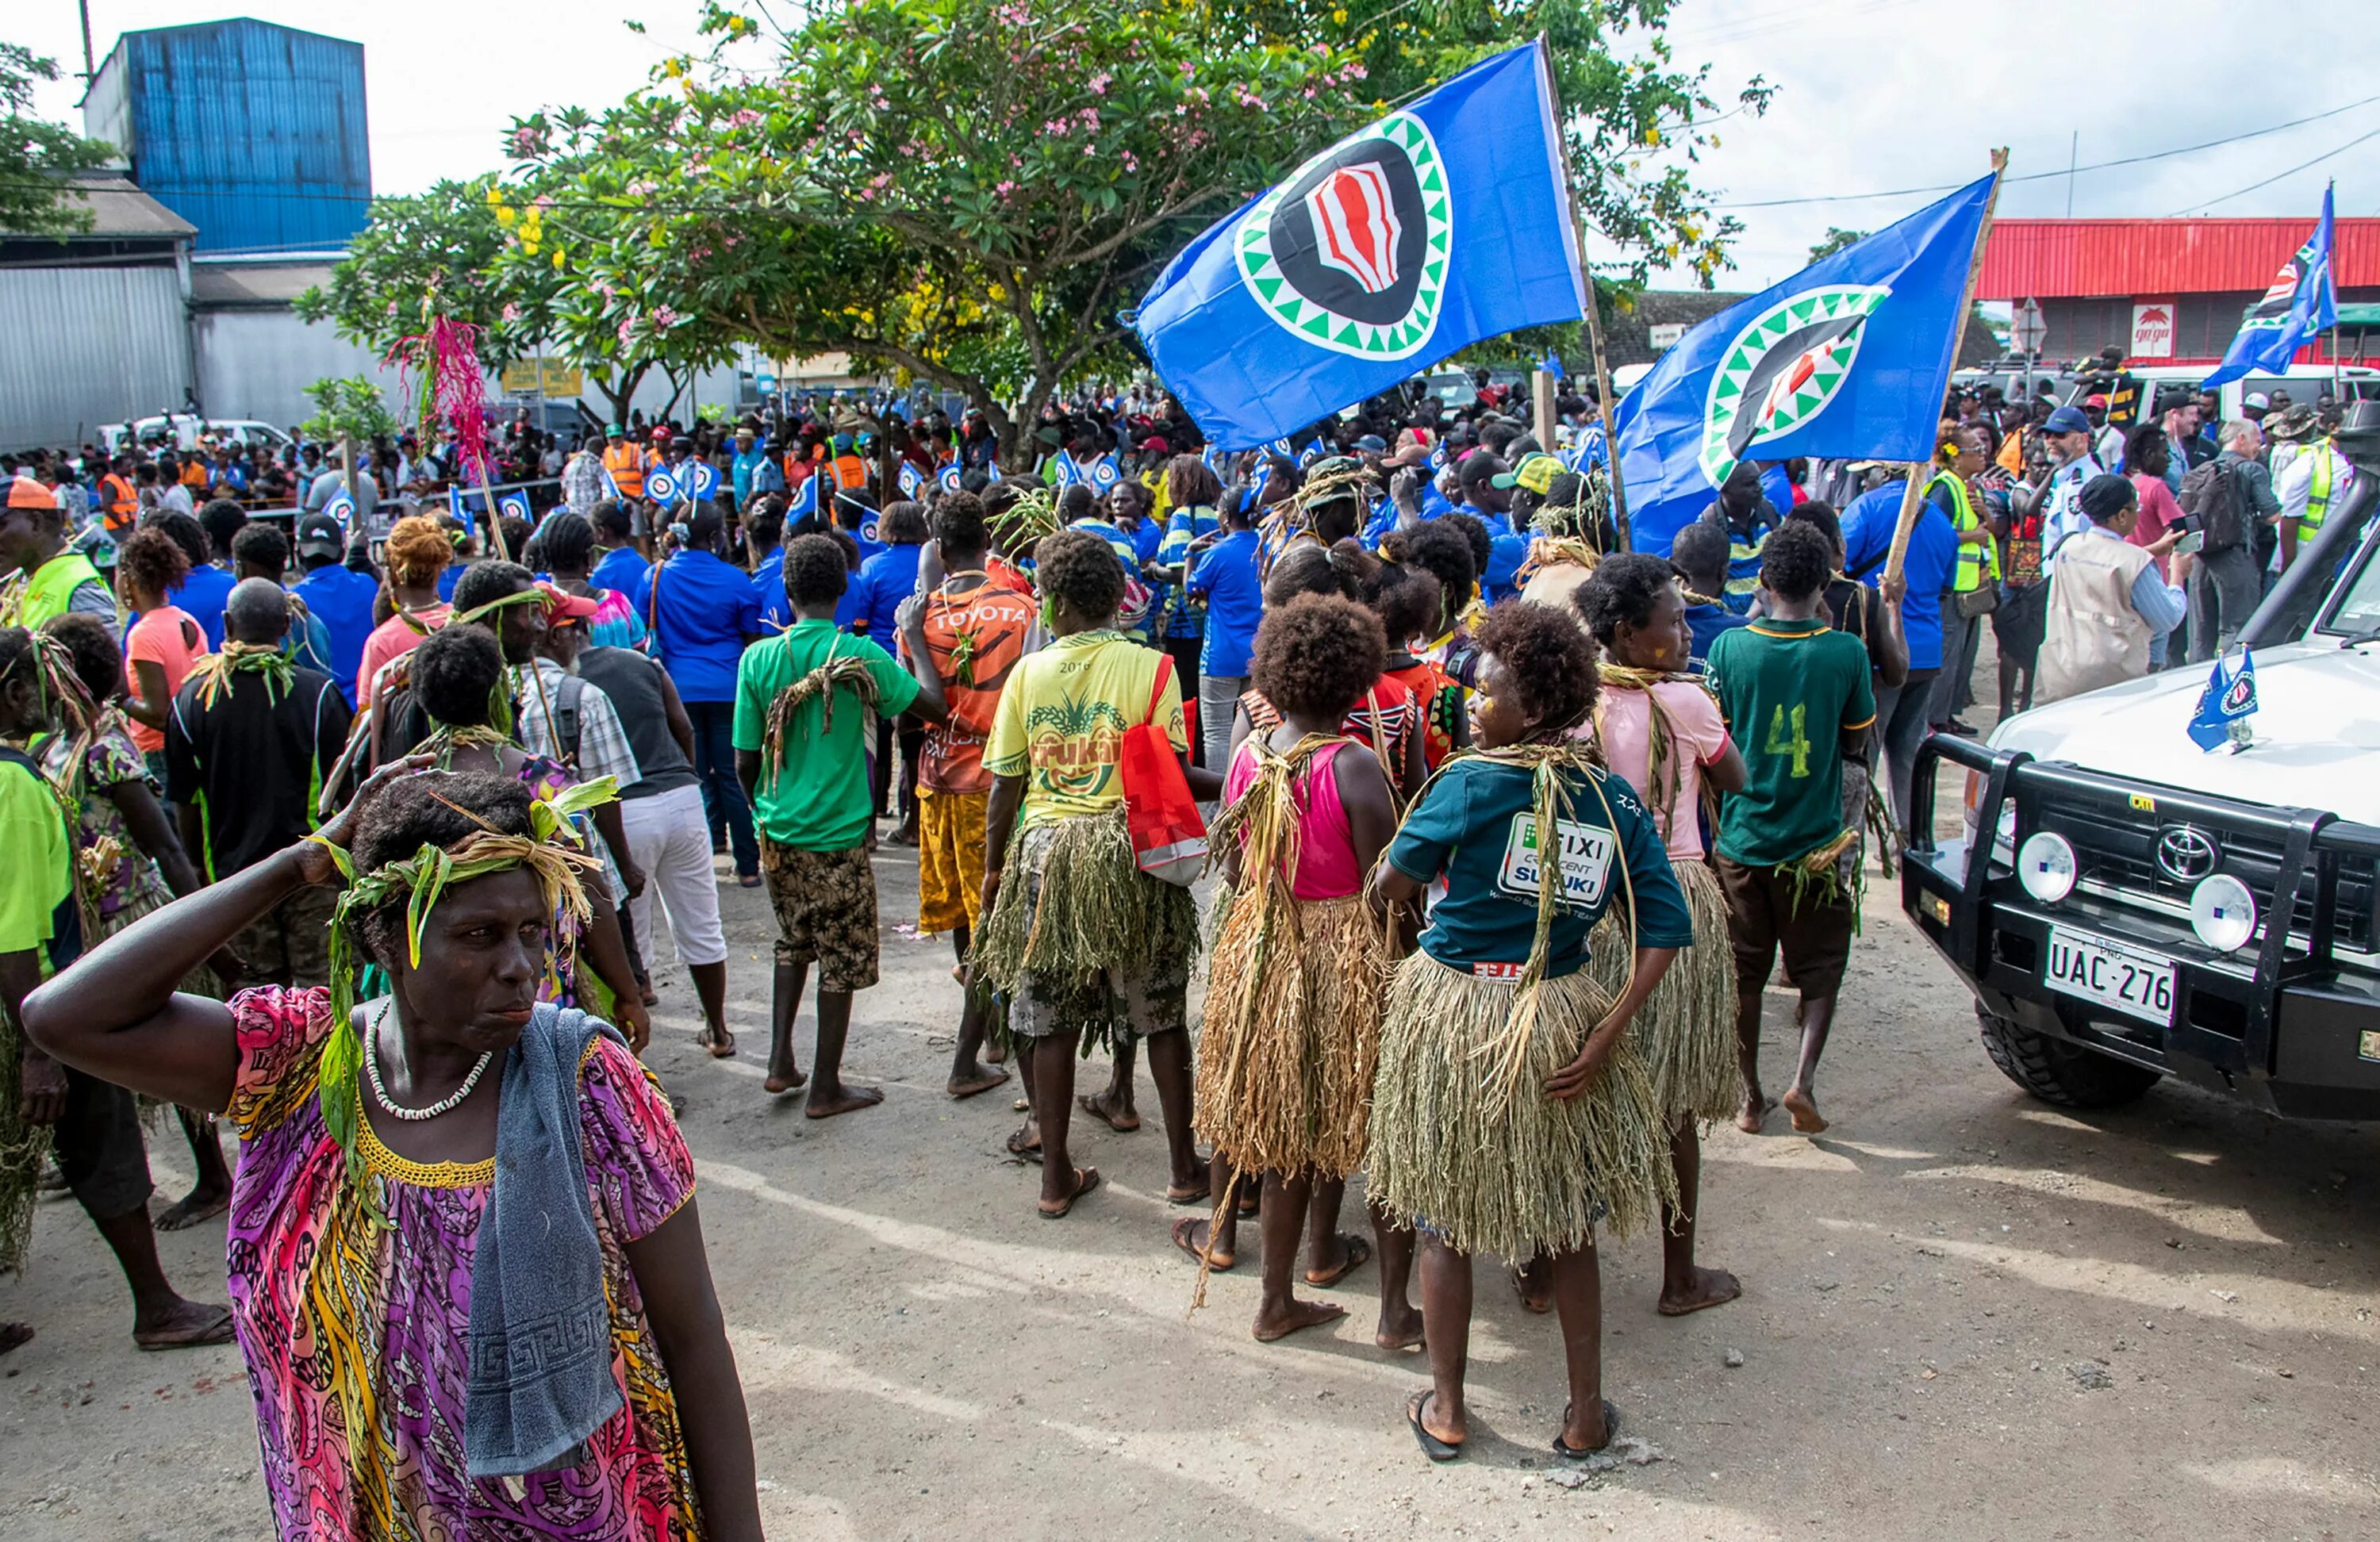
1168	837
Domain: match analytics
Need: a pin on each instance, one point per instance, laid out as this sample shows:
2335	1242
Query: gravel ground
1965	1315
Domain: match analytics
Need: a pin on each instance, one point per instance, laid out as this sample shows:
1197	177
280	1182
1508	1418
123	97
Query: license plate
2137	984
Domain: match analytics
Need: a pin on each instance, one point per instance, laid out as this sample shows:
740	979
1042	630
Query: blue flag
2301	301
1849	358
803	501
911	481
949	476
2225	706
341	506
706	481
660	486
513	504
1551	363
1105	472
1444	223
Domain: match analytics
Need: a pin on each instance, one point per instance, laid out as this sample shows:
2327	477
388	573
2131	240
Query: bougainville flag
1849	358
1444	222
2301	301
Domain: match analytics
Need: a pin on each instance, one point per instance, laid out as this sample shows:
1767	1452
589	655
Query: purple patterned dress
356	1337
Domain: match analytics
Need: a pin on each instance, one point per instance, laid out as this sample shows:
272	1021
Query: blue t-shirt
741	469
1867	523
884	580
1507	550
705	611
202	594
1930	564
620	568
341	598
1707	622
1184	619
776	611
1226	579
448	576
1476	825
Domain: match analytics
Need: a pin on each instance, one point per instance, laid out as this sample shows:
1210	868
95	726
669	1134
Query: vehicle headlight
2045	865
2223	913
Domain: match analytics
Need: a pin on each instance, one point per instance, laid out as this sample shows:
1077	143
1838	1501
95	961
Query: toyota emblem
2186	854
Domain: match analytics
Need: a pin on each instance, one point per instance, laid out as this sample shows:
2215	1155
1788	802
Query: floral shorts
826	912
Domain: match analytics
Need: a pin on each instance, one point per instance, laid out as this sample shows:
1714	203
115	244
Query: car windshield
2357	609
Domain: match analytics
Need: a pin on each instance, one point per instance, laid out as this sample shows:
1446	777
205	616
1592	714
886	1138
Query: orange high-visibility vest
123	505
850	473
626	464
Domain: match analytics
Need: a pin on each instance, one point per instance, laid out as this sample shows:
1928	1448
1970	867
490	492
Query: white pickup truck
2141	909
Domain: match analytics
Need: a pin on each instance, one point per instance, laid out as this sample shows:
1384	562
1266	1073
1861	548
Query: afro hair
1796	562
1547	661
1408	600
1443	552
958	523
816	574
1079	570
1342	569
1623	589
97	661
1316	655
152	561
455	673
484	583
428	810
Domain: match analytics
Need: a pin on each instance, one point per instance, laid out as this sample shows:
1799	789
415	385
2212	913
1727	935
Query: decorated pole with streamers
439	368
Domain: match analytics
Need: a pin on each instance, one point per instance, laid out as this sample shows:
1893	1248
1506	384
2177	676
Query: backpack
2213	500
566	720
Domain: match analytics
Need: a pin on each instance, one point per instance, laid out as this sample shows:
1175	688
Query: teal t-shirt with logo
1789	691
1477	826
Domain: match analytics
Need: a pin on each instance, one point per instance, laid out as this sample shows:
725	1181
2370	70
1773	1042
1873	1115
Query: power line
2047	175
2278	174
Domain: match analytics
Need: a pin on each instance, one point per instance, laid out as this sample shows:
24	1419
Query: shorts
290	944
826	912
1113	1004
1764	919
99	1148
950	859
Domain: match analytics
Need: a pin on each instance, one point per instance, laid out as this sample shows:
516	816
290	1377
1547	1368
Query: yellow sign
2145	803
543	377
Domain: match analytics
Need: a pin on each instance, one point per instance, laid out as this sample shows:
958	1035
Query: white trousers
668	837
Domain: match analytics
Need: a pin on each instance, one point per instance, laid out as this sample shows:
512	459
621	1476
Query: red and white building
2168	292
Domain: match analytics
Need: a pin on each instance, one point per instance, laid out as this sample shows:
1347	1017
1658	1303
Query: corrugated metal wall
258	364
253	132
92	345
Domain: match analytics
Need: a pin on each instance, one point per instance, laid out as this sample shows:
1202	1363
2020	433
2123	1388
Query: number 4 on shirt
1797	746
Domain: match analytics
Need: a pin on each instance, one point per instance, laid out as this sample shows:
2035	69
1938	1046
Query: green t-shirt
1788	690
818	800
34	853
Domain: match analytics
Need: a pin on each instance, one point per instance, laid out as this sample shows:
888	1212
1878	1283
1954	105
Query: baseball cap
562	605
24	493
2094	399
2066	419
319	532
1534	474
2258	402
1372	443
613	431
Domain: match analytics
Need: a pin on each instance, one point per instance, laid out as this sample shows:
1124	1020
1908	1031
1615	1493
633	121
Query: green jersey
1789	691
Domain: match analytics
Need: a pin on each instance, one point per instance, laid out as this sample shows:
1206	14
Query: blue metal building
251	131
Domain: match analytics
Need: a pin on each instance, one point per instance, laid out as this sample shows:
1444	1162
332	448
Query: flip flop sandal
217	1333
717	1049
1521	1289
1085	1180
1088	1103
1431	1446
1016	1147
1357	1252
1201	1195
1182	1229
1611	1433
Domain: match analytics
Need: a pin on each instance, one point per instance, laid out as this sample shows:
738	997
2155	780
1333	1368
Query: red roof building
2166	291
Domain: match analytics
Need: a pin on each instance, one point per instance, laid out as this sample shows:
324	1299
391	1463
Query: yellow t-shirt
1062	717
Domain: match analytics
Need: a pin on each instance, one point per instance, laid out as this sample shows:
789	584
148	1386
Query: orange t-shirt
991	621
170	637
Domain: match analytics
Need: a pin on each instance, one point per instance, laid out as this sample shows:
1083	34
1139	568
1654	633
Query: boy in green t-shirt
1798	700
805	704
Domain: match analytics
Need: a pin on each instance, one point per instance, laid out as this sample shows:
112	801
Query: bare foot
779	1083
980	1080
193	1208
648	996
1804	1111
1755	1113
1399	1329
845	1098
996	1052
1704	1288
1273	1325
1123	1121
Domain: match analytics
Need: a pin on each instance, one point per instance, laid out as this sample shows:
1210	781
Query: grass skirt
1503	1169
1686	1030
1293	1036
1073	902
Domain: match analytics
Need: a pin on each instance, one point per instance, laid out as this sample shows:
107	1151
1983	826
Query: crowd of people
349	837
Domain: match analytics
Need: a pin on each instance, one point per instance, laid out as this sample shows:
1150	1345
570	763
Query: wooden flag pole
1914	495
1593	309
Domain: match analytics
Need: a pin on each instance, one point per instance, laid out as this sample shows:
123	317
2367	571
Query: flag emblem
1782	370
1351	252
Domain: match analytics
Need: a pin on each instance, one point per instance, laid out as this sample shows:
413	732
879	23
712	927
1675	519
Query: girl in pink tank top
1292	1012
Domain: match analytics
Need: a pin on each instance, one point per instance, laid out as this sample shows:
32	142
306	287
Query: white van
185	429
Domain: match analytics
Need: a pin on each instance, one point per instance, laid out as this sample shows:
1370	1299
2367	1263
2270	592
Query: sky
1872	95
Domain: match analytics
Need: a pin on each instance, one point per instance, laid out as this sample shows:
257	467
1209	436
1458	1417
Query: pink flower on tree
511	312
1099	83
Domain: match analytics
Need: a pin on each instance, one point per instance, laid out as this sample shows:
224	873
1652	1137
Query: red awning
2074	258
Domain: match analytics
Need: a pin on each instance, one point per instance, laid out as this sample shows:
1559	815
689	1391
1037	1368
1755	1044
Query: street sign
2030	329
542	377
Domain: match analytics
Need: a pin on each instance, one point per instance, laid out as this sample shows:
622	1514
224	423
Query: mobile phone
2190	543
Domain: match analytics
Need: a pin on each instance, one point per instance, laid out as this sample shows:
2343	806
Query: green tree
1836	240
36	156
346	408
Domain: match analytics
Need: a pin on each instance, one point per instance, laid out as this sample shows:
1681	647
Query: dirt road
1966	1315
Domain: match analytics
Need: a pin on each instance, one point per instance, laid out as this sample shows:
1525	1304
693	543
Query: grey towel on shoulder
540	1379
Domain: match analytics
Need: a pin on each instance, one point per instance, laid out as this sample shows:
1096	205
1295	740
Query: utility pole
2074	154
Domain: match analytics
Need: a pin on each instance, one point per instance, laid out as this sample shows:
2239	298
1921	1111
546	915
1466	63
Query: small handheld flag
2225	705
912	480
948	477
706	482
1105	473
341	506
1068	472
1551	364
513	504
803	503
1445	223
1848	358
2301	300
660	486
